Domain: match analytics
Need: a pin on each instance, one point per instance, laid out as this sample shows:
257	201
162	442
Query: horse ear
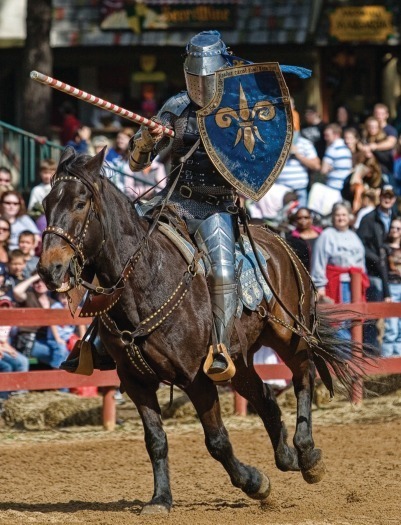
95	164
68	152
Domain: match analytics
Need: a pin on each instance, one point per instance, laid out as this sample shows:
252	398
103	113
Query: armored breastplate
198	169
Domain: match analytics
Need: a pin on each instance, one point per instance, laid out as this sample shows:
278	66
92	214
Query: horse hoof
316	473
264	489
154	509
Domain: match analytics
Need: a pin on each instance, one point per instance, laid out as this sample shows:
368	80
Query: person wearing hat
201	196
373	231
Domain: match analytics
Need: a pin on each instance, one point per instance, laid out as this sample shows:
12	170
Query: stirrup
84	358
80	360
225	375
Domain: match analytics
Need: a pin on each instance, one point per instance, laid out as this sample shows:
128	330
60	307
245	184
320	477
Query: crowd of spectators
335	203
22	222
338	204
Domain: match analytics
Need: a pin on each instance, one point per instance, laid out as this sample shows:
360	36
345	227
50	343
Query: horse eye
80	205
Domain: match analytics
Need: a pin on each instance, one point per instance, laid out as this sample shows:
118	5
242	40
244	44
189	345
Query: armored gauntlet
140	147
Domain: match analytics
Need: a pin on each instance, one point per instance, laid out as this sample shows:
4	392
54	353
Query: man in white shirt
336	166
295	173
337	160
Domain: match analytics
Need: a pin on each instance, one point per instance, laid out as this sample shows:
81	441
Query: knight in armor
201	196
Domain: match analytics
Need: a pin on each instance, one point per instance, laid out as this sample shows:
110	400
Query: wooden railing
358	310
108	381
55	379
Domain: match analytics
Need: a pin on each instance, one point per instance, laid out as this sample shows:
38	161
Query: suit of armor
201	195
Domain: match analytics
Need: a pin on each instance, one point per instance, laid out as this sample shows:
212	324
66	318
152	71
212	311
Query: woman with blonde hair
374	141
337	253
366	175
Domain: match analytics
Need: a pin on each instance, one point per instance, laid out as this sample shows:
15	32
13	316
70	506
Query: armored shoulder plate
176	104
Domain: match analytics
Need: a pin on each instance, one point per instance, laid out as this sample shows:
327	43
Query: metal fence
21	152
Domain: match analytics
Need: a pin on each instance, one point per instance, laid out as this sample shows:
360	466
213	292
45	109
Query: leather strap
188	193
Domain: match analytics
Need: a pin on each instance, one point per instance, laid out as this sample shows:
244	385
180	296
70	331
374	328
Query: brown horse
156	323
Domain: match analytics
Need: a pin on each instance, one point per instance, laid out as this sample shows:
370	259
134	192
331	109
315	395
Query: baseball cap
388	190
5	302
100	140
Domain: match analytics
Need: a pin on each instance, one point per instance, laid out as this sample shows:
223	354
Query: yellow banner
365	23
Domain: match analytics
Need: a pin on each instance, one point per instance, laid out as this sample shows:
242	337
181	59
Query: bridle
78	260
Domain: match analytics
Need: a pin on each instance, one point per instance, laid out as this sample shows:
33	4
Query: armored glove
141	146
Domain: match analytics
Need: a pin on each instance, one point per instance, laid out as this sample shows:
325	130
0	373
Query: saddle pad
253	286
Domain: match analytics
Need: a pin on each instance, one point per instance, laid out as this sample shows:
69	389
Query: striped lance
96	101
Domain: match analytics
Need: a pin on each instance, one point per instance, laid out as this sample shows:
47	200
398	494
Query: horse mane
74	165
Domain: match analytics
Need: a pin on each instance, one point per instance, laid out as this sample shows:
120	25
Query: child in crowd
10	359
26	243
39	192
16	267
32	293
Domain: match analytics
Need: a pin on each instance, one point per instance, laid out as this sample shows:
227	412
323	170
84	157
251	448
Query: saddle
253	288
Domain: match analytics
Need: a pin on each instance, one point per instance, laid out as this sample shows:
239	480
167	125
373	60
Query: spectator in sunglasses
303	237
12	207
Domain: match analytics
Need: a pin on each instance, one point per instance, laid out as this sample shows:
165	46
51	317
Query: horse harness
100	299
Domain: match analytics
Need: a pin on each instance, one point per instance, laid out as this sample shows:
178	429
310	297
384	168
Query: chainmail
189	208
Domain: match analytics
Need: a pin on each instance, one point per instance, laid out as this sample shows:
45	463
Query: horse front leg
146	402
250	386
203	394
309	458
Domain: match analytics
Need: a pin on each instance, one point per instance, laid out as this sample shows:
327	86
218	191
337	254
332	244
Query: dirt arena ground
86	476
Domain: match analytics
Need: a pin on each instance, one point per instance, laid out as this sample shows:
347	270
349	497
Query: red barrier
358	311
56	379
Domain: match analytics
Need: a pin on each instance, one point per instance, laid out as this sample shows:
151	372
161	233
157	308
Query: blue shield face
247	127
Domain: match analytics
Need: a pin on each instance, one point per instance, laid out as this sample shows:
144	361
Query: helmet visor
200	89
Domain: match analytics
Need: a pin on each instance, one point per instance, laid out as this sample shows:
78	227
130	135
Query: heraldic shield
247	127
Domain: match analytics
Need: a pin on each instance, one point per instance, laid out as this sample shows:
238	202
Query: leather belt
188	193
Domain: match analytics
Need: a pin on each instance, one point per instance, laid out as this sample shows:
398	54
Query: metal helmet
205	55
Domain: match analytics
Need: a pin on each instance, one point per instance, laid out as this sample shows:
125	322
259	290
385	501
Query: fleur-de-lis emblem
247	130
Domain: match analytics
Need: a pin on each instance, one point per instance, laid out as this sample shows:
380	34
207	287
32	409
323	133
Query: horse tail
346	359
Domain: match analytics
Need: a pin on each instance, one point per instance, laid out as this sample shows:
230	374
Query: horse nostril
57	268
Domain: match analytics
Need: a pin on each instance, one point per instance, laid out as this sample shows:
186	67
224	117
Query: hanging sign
366	23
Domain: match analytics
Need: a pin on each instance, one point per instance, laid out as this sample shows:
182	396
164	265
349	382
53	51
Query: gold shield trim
247	132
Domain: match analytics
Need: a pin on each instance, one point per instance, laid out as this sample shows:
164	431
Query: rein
300	329
97	305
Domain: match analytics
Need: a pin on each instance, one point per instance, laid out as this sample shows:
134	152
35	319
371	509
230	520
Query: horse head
74	231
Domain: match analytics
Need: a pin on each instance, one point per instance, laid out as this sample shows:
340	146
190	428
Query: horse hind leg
203	394
146	402
309	458
250	386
